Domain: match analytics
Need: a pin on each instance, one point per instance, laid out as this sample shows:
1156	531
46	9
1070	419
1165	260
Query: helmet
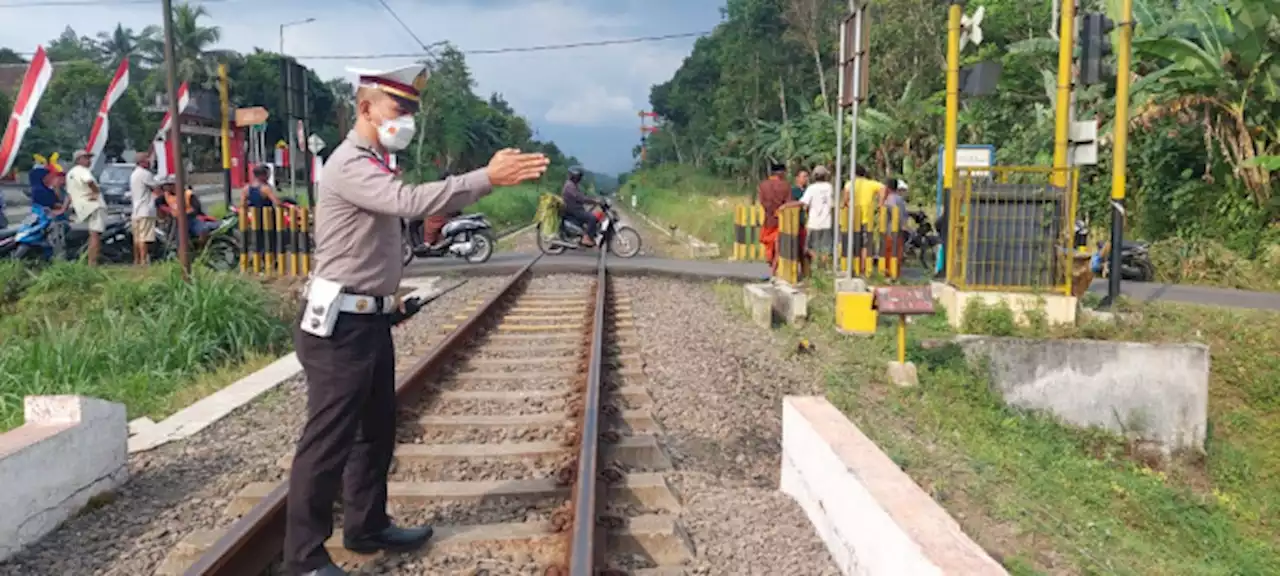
575	173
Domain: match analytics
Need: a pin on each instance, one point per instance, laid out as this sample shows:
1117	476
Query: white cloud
593	107
600	86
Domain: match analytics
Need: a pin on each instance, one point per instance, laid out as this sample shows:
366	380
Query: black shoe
329	570
392	539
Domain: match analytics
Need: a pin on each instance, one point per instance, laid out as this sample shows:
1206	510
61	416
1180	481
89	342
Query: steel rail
255	541
582	557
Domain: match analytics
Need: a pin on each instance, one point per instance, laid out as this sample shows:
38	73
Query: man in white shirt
86	200
819	200
144	208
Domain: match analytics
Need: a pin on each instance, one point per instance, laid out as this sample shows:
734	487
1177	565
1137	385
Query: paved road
508	262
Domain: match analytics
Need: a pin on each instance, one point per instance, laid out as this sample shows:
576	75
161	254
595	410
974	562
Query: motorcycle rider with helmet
575	205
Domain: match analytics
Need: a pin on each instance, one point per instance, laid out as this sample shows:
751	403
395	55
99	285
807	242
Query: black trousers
582	217
348	440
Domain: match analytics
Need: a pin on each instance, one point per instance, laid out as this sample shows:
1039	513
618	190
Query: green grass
695	202
1048	499
139	337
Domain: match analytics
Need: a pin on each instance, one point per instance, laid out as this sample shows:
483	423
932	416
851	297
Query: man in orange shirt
772	194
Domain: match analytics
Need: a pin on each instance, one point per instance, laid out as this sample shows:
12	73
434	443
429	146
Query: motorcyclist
575	205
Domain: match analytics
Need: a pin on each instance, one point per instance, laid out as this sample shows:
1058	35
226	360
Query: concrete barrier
70	449
1155	392
766	301
873	518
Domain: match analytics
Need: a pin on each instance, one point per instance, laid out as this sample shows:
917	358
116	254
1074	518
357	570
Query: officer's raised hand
510	166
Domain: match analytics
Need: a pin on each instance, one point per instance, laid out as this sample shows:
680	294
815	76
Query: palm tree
123	43
196	61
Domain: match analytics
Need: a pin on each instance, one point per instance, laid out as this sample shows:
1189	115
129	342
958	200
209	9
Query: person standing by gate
343	338
772	194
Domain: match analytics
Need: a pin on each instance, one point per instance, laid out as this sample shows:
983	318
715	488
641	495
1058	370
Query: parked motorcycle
1135	257
469	237
622	240
922	242
36	238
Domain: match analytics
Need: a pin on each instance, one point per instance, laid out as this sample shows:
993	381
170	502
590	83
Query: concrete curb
872	517
146	435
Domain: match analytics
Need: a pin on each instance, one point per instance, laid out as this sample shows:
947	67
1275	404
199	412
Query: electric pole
175	132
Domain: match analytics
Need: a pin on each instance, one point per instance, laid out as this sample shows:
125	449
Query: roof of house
11	78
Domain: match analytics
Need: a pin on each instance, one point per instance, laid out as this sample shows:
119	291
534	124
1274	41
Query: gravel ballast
185	486
717	383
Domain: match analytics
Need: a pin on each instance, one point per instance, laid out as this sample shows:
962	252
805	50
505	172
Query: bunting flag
34	82
101	124
163	147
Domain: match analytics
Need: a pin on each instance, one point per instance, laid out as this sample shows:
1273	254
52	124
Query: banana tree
1221	72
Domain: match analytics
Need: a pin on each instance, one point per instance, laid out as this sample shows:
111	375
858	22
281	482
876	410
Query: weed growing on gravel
1050	499
128	335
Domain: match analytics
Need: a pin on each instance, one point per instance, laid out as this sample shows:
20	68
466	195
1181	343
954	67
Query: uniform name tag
321	312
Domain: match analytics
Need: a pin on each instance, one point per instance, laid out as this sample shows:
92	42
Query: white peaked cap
406	83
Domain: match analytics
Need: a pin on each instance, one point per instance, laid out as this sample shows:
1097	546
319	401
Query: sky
585	99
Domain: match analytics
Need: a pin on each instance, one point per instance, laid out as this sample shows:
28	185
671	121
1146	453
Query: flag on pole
163	147
34	82
101	125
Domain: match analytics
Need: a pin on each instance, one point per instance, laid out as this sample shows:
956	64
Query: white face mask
397	134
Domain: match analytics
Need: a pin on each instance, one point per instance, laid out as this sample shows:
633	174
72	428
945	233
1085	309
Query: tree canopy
458	130
1205	124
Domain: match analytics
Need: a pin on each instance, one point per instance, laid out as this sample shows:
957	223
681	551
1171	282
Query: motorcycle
922	241
35	239
469	237
1135	257
623	240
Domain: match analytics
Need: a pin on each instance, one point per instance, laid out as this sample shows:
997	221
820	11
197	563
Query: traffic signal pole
1062	108
950	137
1121	133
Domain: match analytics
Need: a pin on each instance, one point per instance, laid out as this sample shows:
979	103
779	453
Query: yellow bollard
884	240
255	227
895	230
279	246
293	241
244	238
306	244
268	232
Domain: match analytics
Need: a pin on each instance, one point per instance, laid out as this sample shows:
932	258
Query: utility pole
1121	133
1062	108
955	14
175	136
226	133
293	146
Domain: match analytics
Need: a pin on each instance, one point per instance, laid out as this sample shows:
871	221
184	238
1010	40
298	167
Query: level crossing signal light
1095	45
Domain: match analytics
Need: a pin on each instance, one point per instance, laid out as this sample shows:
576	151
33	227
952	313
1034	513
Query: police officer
343	338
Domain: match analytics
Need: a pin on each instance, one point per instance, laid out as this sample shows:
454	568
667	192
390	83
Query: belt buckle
362	304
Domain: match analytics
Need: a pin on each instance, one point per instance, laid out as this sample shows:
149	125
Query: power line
488	51
509	50
103	3
426	49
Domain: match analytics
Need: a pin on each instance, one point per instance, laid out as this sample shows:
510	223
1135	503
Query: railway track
524	437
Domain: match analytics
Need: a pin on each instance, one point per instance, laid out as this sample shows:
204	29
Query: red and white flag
101	125
24	108
163	147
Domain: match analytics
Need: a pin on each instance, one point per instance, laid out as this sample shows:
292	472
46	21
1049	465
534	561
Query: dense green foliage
128	335
458	130
1204	126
